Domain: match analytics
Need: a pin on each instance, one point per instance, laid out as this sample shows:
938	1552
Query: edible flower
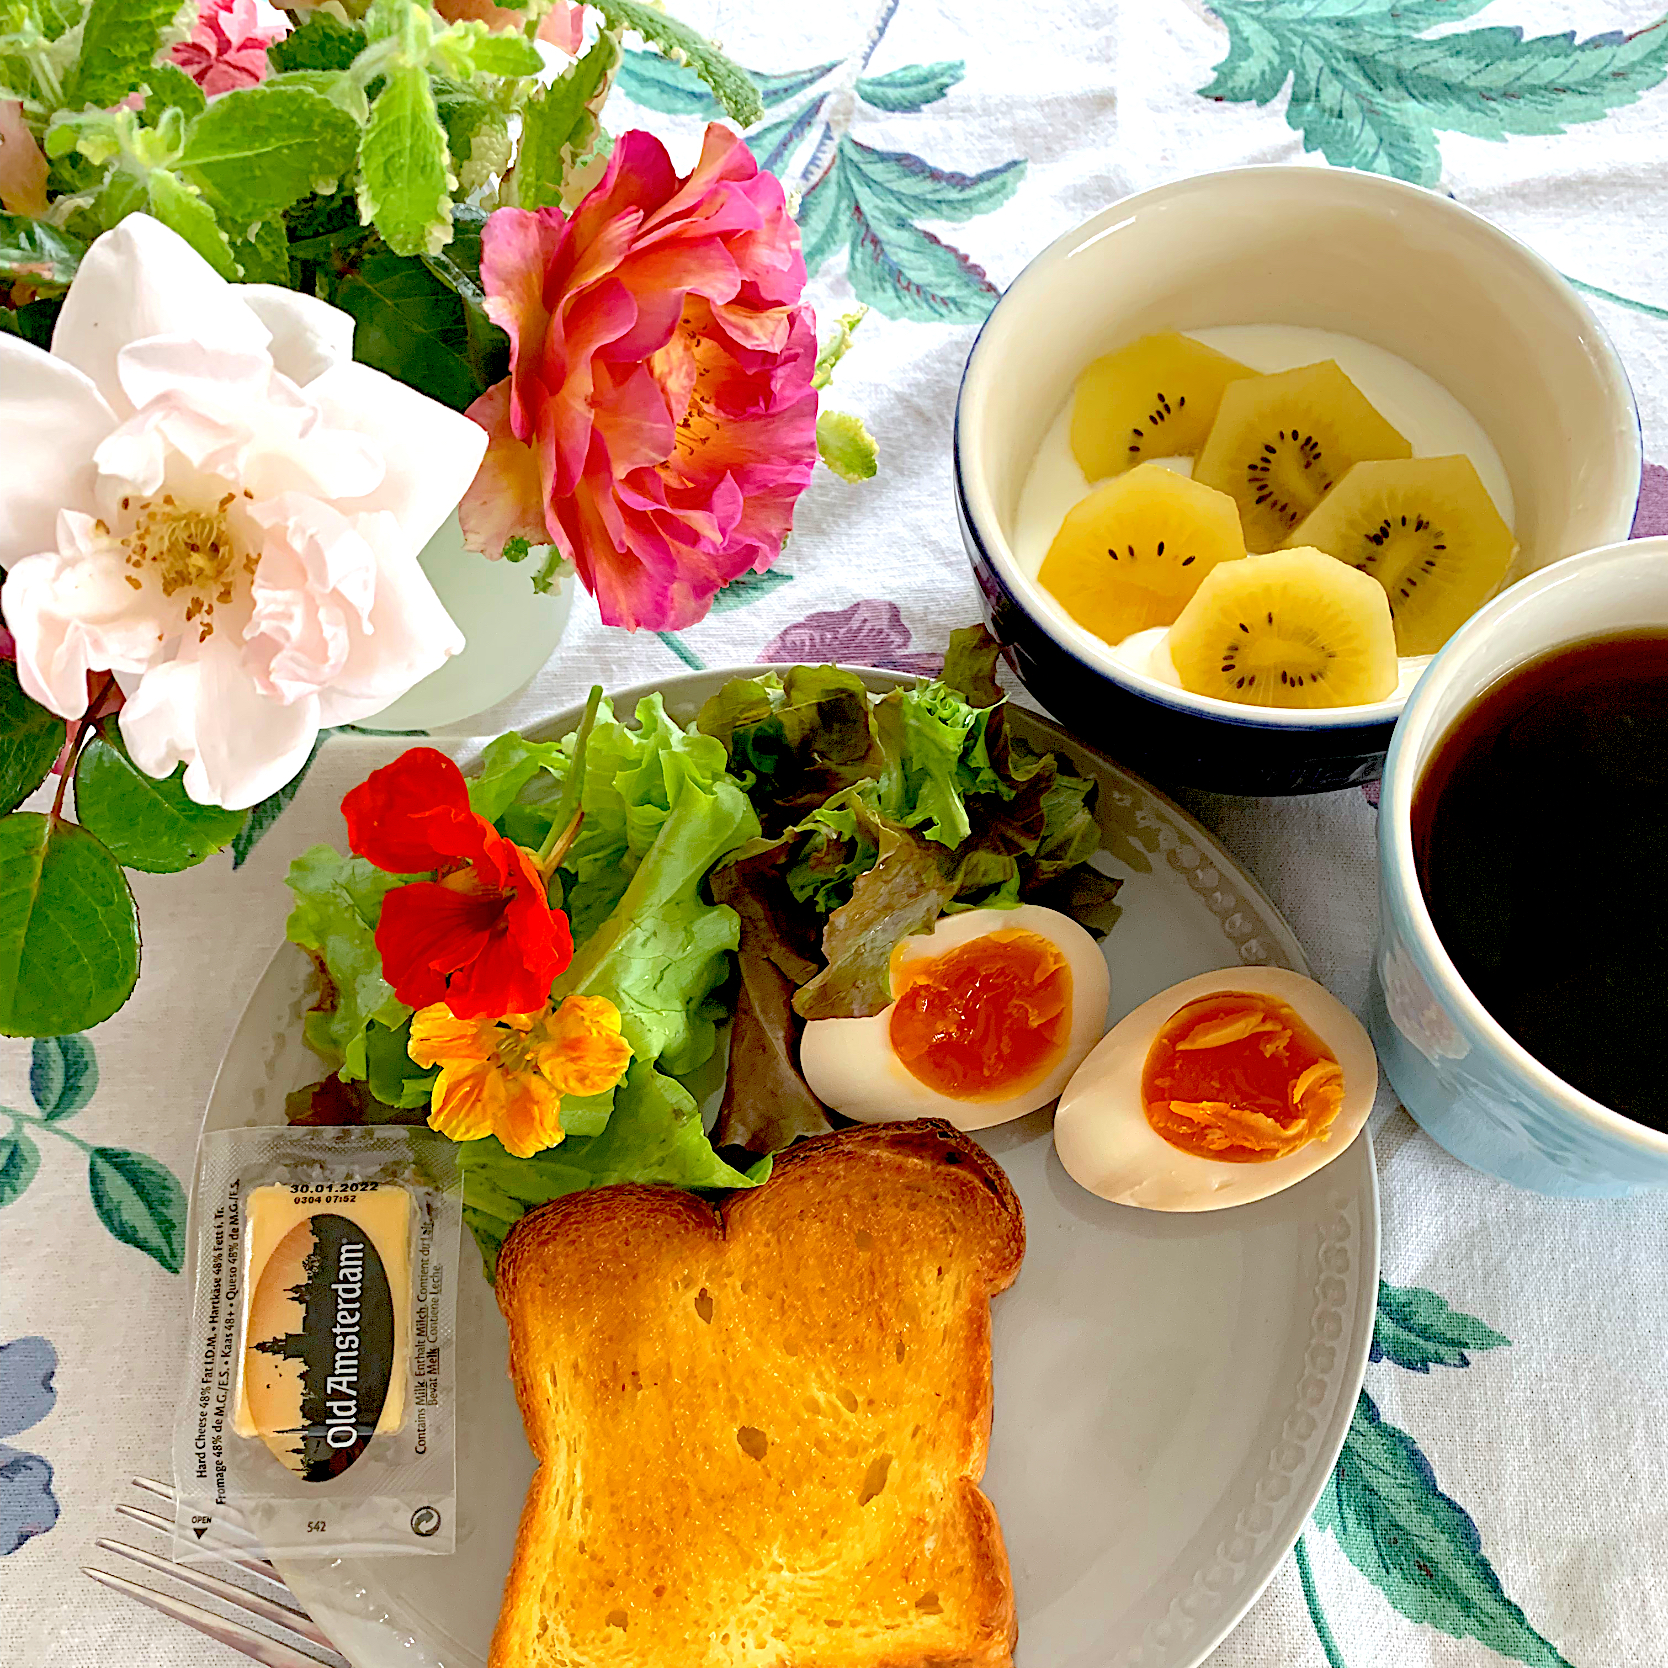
202	493
507	1076
481	937
659	420
228	43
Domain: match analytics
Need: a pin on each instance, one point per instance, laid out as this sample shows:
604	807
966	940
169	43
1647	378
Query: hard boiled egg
1107	1142
992	1012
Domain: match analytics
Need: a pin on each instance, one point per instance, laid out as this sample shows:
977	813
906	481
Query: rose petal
308	335
52	418
506	499
143	280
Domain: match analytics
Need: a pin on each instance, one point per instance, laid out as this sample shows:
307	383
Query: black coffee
1540	831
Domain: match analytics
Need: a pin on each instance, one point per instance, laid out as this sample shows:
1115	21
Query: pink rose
22	166
658	422
228	44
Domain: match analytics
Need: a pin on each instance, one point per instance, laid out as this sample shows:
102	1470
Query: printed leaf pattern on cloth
1383	1505
869	633
137	1197
1417	1330
28	1506
854	197
1369	90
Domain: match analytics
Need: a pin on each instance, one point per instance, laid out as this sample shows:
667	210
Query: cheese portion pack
318	1408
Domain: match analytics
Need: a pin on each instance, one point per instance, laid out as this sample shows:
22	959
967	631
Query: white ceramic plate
1171	1391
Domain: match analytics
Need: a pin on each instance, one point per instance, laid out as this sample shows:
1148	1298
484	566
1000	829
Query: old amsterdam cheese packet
319	1407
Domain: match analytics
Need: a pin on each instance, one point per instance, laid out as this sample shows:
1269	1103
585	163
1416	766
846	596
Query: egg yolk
1239	1077
985	1019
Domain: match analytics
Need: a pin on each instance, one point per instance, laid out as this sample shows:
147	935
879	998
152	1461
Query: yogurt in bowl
1462	338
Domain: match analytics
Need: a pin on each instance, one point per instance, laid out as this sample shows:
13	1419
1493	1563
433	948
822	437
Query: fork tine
257	1646
257	1567
238	1597
227	1519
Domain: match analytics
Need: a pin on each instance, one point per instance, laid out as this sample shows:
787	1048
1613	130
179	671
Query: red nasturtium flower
481	937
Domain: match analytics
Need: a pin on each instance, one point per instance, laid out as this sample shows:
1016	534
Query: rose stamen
191	551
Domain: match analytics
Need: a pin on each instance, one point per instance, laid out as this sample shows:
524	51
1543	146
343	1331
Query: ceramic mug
1472	1087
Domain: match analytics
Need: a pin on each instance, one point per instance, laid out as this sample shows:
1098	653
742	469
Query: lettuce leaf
654	1135
337	902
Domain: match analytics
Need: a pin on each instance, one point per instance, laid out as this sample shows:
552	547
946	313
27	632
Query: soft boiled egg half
1223	1089
992	1011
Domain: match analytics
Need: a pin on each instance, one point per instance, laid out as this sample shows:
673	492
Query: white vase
510	631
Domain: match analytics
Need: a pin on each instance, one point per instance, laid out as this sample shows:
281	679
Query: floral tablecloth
1501	1495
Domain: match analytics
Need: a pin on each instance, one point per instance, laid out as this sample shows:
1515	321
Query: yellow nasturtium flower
506	1076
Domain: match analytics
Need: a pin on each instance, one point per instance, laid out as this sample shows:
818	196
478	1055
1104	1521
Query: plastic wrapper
318	1407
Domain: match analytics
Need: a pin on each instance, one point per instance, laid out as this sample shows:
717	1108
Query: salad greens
795	832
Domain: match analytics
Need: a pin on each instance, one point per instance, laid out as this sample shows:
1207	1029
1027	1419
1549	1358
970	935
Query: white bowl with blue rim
1391	264
1469	1084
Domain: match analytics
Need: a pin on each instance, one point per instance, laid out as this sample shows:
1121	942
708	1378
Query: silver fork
269	1600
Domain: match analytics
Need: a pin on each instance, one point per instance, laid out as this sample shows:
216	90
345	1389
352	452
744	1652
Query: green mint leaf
145	823
30	736
257	150
731	85
63	1075
470	48
19	1160
1417	1546
477	135
264	256
846	446
911	88
171	89
1417	1330
321	42
560	121
405	178
69	928
118	43
181	207
140	1201
57	17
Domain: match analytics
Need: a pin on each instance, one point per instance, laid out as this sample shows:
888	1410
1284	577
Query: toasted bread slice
760	1430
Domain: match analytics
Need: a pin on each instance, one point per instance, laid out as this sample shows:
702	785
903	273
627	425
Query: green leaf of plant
750	587
477	137
1417	1330
171	89
19	1160
182	209
37	254
337	902
970	666
560	120
405	177
320	42
256	150
69	928
911	88
393	1077
265	257
145	823
118	42
1369	91
414	325
30	740
846	446
140	1201
658	83
261	817
1416	1545
492	52
63	1075
731	84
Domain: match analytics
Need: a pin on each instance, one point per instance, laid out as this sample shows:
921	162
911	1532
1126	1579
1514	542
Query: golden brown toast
760	1430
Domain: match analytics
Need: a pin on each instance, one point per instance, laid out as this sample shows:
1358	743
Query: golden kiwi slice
1131	553
1280	443
1155	398
1293	628
1427	531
